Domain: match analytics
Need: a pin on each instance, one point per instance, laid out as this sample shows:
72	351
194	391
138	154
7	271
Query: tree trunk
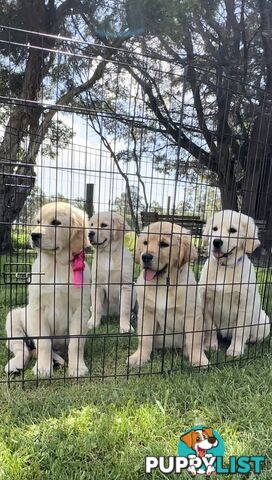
256	190
12	199
17	183
17	172
226	178
228	197
5	239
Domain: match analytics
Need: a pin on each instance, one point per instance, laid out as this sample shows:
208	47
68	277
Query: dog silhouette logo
201	445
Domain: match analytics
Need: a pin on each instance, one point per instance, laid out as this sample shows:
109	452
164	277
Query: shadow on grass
106	430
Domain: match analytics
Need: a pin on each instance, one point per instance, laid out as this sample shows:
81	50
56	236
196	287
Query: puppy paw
214	347
14	367
93	323
202	362
42	371
137	359
211	343
80	370
58	360
126	328
235	351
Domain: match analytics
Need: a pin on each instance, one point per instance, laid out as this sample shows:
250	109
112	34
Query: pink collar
78	266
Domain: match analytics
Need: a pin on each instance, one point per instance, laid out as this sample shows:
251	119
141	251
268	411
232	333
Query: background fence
153	137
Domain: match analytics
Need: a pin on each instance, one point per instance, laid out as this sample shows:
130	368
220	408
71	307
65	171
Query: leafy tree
207	92
199	200
35	200
123	207
79	203
37	73
199	104
156	207
226	126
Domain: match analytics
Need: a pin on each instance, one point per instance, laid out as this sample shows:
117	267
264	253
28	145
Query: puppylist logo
201	452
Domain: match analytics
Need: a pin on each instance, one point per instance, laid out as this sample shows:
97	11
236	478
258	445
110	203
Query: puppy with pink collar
59	296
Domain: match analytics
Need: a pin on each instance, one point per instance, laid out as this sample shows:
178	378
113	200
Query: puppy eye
104	225
232	230
163	244
215	229
38	222
145	242
91	224
55	222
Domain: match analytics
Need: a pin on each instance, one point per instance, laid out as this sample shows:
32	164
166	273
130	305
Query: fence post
89	199
168	205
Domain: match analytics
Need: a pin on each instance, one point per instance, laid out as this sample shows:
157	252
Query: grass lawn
103	430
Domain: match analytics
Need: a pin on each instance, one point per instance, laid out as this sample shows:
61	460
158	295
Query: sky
86	160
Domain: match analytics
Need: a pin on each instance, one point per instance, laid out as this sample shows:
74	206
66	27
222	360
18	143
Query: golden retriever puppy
59	299
228	291
169	315
112	291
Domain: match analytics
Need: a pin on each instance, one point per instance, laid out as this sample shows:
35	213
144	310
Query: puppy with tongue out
169	315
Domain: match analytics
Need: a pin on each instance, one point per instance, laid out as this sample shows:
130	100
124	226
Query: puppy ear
119	226
207	232
208	431
187	438
187	251
79	234
251	234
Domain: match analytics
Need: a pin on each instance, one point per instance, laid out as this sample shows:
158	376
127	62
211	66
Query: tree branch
266	32
191	76
122	173
180	138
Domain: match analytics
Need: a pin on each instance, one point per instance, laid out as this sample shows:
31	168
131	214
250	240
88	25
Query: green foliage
175	101
58	137
130	241
121	204
20	238
199	199
34	201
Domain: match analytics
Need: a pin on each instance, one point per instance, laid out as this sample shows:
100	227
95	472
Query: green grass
103	430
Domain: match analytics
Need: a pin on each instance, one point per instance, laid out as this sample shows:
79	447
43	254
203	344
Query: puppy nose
36	236
147	257
91	235
217	243
212	440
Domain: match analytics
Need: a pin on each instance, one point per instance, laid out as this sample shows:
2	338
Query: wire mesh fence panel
124	251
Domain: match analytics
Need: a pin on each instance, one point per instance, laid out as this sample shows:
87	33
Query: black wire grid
108	130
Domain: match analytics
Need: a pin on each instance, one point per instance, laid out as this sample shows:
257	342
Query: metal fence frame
107	348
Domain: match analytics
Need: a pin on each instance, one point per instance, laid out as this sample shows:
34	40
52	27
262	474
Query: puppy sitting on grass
59	298
228	287
169	315
112	291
